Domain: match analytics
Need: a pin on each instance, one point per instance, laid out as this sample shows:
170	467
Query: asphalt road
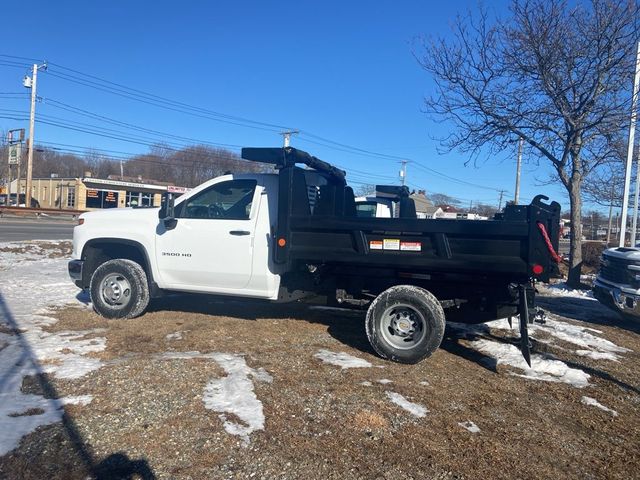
18	229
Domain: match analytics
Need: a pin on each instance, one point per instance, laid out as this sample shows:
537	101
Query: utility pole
31	83
15	139
287	136
610	213
403	171
500	201
631	143
518	168
634	222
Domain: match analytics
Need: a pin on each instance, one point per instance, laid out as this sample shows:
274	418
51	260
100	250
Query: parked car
9	200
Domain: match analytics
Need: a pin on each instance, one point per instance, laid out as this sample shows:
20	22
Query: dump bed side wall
435	245
509	246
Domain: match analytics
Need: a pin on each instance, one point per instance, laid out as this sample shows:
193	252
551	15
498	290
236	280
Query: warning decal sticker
411	246
391	244
375	245
395	244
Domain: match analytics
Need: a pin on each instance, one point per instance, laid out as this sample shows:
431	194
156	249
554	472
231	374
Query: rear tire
405	324
119	289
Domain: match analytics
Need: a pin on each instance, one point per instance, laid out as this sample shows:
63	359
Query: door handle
240	232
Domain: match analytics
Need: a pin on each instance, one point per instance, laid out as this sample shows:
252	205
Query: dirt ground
147	418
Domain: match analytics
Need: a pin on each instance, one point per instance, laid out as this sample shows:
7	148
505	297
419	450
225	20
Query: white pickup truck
295	235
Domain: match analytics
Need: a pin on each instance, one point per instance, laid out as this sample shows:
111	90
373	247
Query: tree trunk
575	246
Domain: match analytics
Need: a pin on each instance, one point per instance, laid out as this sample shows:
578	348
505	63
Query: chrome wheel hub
115	290
403	326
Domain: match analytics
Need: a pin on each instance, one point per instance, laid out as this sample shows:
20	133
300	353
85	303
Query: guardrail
39	212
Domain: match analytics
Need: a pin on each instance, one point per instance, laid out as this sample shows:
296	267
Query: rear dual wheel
405	324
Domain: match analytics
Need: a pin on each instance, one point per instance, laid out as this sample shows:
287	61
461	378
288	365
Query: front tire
405	324
119	289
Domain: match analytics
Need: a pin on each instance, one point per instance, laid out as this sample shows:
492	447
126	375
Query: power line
28	59
162	102
86	113
170	101
327	142
166	103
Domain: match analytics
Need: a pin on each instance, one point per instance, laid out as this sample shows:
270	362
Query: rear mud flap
523	310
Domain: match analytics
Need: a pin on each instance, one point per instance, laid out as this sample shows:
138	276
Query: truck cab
218	241
389	201
371	206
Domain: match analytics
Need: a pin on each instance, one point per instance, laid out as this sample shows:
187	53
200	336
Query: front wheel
119	289
405	324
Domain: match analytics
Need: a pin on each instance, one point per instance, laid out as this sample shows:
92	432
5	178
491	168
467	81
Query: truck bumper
621	301
75	272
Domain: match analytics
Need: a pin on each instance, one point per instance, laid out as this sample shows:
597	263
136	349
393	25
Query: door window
230	200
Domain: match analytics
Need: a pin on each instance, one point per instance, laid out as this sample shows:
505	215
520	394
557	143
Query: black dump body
317	224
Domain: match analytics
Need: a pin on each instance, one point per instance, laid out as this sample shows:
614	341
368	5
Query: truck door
211	246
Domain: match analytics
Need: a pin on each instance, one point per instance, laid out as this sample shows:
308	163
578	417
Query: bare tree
484	209
440	199
365	189
556	74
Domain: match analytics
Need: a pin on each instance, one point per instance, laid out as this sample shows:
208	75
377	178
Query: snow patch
341	359
413	408
424	383
582	337
598	355
542	368
174	336
469	425
594	403
234	394
32	284
77	400
600	348
15	422
385	381
561	289
366	383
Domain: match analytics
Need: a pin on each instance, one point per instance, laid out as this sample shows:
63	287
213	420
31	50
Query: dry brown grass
49	249
321	421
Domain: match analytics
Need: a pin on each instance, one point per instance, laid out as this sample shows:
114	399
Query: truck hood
132	224
626	253
121	214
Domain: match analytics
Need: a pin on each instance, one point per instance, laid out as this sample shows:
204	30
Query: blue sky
343	71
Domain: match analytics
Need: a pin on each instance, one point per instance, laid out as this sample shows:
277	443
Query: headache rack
510	246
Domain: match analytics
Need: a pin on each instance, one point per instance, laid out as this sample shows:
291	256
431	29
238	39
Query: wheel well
96	253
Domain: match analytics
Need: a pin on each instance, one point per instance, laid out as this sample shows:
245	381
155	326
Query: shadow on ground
72	456
587	311
346	326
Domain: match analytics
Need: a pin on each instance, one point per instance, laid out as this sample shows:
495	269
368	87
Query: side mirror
166	212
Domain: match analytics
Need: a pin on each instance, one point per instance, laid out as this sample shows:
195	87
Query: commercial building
89	193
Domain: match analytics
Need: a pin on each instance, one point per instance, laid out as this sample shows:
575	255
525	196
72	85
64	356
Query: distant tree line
186	167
